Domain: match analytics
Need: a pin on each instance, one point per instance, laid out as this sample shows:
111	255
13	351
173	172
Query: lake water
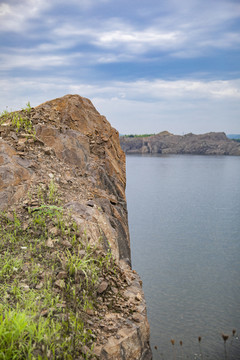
184	218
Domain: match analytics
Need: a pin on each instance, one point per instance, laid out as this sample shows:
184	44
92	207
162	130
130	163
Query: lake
184	219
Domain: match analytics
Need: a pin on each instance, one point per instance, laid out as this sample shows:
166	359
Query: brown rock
78	149
62	275
138	297
67	244
13	174
114	290
49	243
39	286
22	141
54	231
138	317
24	286
60	284
90	312
102	287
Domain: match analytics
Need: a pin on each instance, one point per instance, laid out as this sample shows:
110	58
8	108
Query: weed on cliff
49	276
19	121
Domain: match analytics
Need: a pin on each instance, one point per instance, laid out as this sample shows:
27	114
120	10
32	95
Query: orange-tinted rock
71	134
77	148
14	175
81	137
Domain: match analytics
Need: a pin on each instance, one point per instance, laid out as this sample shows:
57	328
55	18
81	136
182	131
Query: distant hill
213	143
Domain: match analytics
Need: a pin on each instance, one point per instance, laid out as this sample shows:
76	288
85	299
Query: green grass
21	336
19	121
138	136
43	315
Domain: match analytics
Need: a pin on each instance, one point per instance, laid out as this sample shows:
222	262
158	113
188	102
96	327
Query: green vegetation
48	279
138	136
19	121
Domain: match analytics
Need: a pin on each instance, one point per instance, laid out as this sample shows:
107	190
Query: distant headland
213	143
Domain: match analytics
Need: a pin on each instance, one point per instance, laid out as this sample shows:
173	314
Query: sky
147	65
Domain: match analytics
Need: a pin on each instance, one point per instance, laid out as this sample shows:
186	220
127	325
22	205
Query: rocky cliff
66	144
166	143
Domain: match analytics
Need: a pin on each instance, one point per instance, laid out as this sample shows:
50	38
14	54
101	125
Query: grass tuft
20	121
49	276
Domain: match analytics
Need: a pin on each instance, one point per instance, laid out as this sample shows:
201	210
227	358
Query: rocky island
213	143
65	262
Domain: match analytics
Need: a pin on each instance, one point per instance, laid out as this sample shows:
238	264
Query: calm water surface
184	218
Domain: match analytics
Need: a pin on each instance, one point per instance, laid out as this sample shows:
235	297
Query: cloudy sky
147	65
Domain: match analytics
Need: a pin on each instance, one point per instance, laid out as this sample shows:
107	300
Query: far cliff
213	143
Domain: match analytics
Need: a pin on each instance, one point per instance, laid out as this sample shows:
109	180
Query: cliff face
77	148
166	143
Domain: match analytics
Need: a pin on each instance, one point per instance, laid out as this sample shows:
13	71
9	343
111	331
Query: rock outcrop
77	147
212	143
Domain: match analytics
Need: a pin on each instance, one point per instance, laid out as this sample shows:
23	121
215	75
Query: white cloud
138	41
141	106
190	37
35	60
140	91
228	40
178	117
158	90
83	38
189	30
14	17
85	4
112	58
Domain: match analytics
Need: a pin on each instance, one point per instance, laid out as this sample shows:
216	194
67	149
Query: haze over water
184	218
